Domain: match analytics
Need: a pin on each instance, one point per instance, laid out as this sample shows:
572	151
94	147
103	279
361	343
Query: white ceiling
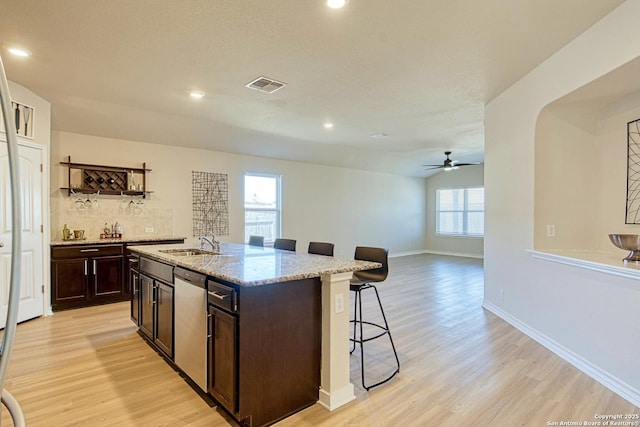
420	71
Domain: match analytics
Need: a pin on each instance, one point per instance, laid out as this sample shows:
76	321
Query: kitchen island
277	322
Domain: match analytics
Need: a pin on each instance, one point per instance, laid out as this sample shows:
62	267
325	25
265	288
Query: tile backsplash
137	216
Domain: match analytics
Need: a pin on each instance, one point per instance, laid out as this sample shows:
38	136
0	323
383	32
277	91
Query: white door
31	276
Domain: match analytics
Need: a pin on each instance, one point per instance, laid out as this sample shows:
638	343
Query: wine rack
88	178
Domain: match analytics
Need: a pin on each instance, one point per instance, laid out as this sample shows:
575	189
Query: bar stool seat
361	281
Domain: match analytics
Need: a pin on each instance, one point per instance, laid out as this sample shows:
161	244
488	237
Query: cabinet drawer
83	251
156	269
222	296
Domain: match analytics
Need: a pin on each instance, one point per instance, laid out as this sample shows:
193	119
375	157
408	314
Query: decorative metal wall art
210	203
22	117
633	173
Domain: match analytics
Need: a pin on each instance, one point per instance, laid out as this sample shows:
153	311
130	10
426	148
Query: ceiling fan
449	164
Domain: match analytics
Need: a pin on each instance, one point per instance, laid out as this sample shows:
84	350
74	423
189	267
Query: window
460	211
262	206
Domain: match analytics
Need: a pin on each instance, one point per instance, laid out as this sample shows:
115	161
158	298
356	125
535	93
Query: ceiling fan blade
466	164
433	167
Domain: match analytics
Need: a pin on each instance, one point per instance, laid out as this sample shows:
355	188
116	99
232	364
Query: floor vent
265	84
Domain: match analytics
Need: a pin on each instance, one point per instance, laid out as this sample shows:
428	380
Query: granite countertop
253	266
88	241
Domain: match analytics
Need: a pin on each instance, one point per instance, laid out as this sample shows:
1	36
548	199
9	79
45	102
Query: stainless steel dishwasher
191	324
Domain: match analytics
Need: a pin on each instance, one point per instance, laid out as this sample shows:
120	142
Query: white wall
589	316
567	174
580	175
612	139
345	206
468	176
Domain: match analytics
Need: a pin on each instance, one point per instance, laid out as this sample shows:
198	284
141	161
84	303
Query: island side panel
280	349
336	388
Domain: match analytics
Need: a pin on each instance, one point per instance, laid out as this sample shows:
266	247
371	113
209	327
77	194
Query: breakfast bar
292	315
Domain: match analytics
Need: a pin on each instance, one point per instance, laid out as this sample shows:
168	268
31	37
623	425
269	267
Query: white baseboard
407	253
426	251
460	254
603	377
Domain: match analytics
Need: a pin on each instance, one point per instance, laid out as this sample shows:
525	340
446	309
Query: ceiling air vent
265	84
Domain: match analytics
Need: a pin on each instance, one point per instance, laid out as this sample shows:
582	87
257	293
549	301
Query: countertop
121	240
253	266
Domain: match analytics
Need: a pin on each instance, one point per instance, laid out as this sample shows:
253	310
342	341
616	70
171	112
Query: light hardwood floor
460	366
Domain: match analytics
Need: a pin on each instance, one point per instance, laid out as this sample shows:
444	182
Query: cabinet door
222	357
134	281
69	280
107	276
164	325
147	302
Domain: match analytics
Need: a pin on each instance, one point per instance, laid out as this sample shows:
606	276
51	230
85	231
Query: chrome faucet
215	245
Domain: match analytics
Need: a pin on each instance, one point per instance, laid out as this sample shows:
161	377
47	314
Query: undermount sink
629	242
188	252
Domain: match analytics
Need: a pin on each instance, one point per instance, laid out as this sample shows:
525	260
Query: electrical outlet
551	230
149	230
339	303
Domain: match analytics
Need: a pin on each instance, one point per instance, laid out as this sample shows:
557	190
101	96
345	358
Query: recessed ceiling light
19	52
328	125
196	94
337	4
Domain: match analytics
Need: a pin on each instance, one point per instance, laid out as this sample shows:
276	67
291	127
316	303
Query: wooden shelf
113	180
114	193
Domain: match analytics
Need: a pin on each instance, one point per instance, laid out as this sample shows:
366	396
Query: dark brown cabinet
264	348
106	277
134	282
69	281
222	357
164	318
86	274
155	316
147	302
131	262
99	273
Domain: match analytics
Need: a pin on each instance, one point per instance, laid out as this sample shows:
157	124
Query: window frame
465	213
277	209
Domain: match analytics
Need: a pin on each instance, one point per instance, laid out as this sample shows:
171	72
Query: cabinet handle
217	295
89	250
149	294
95	268
86	266
135	284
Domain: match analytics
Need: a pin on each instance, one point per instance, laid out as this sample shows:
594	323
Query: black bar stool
362	280
321	248
285	244
256	241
